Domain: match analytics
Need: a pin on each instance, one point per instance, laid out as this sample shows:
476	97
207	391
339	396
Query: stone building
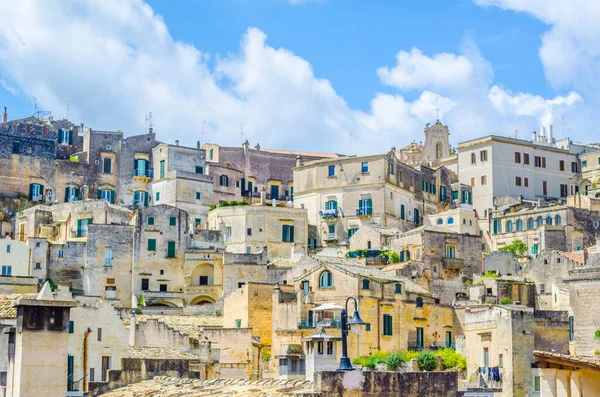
373	237
243	172
399	314
282	231
181	180
16	273
590	174
343	194
559	374
436	150
443	258
583	282
501	338
558	227
462	219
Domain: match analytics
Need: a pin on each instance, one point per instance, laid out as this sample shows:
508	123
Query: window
500	360
287	233
387	325
526	182
162	169
8	248
538	161
238	323
473	158
249	231
82	226
108	257
16	148
448	338
203	280
71	194
331	228
228	234
107	166
171	249
486	357
561	165
37	150
326	279
320	347
558	220
141	167
38	265
140	198
145	284
199	170
210	154
509	226
274	192
537	383
571	329
105	367
526	158
61	253
451	251
368	327
71	327
443	193
173	221
224	180
440	221
36	191
391	168
365	167
518	180
237	184
574	167
563	190
419	302
544	188
150	221
518	157
331	205
402	213
496	226
450	221
398	288
99	334
420	337
472	182
198	195
152	245
157	196
542	289
416	217
329	348
519	225
366	284
331	170
365	207
163	287
540	221
543	162
484	180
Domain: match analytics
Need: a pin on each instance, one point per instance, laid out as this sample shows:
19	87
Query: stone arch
161	303
438	150
202	300
203	274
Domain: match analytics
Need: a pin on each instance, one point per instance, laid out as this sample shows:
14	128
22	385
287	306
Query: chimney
298	161
5	116
177	142
263	196
198	145
550	134
149	130
534	136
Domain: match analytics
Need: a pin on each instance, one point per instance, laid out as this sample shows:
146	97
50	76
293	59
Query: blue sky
301	73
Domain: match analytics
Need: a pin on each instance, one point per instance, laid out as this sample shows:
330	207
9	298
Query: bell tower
437	143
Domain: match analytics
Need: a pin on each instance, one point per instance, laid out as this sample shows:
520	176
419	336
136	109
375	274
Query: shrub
427	361
394	257
378	357
410	355
394	360
490	274
505	300
517	248
468	282
597	334
452	359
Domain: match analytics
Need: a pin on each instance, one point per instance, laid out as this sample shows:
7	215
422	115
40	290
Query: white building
14	258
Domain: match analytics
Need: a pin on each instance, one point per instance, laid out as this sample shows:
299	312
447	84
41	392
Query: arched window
326	279
558	220
519	225
224	180
440	221
509	226
366	284
540	221
438	150
470	222
530	224
450	221
473	158
419	302
464	221
548	220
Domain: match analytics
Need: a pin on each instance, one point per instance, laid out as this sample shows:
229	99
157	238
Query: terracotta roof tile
7	310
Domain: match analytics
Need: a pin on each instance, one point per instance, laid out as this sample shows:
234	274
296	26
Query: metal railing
453	263
148	173
330	213
364	211
329	236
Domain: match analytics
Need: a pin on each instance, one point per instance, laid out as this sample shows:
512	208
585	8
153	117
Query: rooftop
165	353
590	363
7	310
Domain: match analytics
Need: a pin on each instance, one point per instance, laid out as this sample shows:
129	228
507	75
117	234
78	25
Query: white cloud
414	71
115	60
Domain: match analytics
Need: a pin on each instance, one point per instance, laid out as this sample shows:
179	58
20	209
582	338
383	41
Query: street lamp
355	324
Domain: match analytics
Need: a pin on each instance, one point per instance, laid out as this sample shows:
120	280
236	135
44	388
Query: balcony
143	174
161	294
208	290
364	211
453	263
329	214
330	237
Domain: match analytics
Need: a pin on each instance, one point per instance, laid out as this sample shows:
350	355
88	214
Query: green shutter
402	215
150	220
60	136
171	250
71	327
99	193
162	169
146	199
42	192
173	221
112	196
66	194
151	244
291	234
79	227
401	256
70	137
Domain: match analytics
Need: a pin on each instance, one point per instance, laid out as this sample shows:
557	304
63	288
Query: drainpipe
379	320
85	359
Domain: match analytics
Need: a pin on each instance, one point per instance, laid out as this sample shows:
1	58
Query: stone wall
501	262
65	264
584	283
377	384
551	330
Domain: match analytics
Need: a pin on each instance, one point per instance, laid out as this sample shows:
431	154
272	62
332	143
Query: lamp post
355	324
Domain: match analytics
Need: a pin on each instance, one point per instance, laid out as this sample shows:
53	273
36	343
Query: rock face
172	387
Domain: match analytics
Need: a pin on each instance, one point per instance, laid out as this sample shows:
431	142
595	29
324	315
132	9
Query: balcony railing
364	211
453	263
329	236
328	214
147	173
325	323
161	294
201	289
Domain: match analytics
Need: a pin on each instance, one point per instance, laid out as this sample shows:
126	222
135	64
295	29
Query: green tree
517	248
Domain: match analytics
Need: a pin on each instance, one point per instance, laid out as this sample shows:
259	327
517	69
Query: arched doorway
203	274
202	300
